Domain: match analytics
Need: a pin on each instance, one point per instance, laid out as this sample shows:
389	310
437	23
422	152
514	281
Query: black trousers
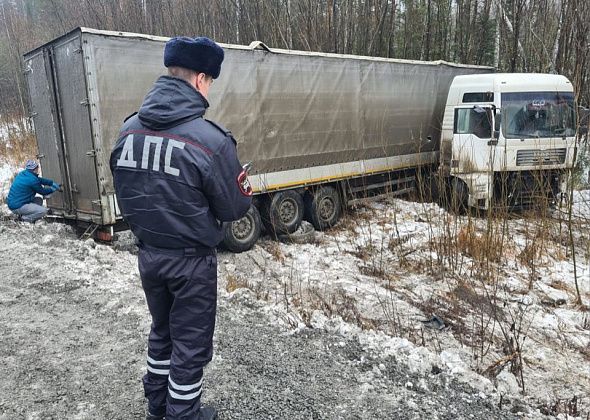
181	293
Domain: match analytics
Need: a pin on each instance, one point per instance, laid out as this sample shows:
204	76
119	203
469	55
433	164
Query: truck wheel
429	187
459	196
283	212
241	235
323	207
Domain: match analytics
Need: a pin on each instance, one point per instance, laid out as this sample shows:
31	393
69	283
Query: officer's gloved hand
55	186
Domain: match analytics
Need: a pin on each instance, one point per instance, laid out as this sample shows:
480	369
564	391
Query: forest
548	36
510	289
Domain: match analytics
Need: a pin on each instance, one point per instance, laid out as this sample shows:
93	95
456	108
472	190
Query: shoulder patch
244	183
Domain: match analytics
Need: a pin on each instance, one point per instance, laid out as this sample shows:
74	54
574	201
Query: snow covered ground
512	323
7	170
351	306
581	207
74	327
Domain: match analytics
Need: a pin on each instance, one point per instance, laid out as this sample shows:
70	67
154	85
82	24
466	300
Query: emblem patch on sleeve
244	183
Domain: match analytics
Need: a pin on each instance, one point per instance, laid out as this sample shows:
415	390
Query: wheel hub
326	209
288	211
242	229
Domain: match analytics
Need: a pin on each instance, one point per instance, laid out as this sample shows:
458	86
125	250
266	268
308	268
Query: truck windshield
538	114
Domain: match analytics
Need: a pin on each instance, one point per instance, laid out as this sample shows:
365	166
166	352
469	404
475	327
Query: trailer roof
257	45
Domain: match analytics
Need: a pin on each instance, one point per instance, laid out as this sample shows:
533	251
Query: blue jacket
176	173
25	186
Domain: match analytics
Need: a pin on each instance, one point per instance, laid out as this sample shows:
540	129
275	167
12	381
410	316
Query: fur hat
31	164
199	54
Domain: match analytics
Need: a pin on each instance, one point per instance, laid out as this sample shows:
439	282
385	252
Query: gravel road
73	326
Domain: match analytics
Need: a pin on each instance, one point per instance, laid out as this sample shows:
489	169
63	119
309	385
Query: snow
6	172
581	207
381	271
11	126
507	383
369	278
4	132
8	167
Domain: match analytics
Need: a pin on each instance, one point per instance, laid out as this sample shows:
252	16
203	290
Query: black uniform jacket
176	174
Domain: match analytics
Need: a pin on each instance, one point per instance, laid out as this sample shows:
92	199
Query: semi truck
322	130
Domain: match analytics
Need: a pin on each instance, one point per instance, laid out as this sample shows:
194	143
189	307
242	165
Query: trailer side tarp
291	111
288	110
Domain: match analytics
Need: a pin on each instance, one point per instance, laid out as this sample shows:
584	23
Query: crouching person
22	198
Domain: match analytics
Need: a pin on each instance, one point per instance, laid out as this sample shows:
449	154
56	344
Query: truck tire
323	207
282	212
428	187
458	196
304	235
241	235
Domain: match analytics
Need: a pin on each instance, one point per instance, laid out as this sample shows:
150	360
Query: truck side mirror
497	124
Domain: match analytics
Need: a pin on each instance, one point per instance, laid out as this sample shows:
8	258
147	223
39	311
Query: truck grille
539	157
525	188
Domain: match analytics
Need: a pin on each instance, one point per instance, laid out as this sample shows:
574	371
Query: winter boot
150	416
207	413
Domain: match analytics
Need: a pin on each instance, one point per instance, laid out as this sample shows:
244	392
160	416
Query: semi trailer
322	130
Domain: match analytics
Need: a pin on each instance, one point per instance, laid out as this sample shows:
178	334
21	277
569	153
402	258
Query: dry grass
274	249
379	272
479	246
538	242
235	282
351	219
463	293
20	143
363	252
529	254
470	258
337	303
569	407
346	224
17	144
560	285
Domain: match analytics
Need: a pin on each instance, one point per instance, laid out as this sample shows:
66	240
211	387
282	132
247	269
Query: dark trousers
181	293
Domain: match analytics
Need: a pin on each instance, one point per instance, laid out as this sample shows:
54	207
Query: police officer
177	177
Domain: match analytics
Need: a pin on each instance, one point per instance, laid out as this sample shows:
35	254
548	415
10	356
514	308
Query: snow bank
369	278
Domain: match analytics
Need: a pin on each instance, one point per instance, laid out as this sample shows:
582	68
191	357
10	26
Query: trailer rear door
72	98
46	123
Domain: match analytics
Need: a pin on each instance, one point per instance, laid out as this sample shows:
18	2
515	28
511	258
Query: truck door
45	118
77	137
473	144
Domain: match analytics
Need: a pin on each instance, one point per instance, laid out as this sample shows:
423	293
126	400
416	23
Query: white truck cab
507	137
